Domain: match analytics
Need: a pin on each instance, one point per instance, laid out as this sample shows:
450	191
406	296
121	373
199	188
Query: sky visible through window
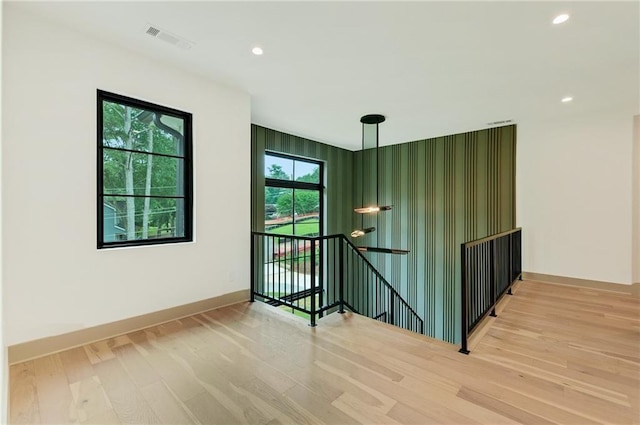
298	170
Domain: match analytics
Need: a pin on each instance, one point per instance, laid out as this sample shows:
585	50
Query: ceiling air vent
164	35
153	31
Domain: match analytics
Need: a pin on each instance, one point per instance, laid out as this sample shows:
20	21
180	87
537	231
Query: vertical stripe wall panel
444	191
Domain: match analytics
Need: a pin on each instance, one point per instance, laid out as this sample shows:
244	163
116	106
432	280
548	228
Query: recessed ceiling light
257	51
560	19
567	99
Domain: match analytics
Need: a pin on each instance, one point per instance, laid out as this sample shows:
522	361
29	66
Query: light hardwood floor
556	354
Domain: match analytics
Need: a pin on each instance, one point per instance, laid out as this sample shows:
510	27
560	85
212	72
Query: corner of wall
635	187
4	366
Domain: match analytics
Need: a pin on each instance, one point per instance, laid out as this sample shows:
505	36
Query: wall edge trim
633	289
29	350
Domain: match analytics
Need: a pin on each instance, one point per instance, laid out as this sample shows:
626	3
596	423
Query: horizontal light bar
361	232
383	250
372	209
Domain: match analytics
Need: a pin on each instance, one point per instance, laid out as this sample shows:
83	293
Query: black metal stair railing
320	275
490	266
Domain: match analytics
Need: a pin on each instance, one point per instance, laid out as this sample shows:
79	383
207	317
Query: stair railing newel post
511	263
465	302
312	299
493	273
320	275
392	300
518	258
341	273
253	267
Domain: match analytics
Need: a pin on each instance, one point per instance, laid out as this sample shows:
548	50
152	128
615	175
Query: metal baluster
494	273
293	272
320	276
341	276
392	309
253	269
313	284
273	266
463	293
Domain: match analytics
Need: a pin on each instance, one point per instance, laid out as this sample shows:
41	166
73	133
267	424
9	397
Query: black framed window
293	195
144	173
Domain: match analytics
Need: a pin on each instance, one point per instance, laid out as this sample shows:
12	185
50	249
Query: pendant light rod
372	119
362	182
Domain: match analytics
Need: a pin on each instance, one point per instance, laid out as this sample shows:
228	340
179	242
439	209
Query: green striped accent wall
444	191
338	166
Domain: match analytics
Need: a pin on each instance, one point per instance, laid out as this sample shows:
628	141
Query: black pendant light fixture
370	125
361	232
370	132
382	250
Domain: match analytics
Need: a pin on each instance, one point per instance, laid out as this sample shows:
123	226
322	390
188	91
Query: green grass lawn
302	229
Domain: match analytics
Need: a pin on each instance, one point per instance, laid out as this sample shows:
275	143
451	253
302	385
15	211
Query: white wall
636	199
4	370
573	188
55	279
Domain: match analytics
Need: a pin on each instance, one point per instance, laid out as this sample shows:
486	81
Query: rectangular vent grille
166	36
153	31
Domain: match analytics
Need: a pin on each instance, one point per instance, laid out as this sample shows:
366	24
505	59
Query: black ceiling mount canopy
370	125
372	119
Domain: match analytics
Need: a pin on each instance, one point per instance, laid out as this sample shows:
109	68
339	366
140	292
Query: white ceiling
433	68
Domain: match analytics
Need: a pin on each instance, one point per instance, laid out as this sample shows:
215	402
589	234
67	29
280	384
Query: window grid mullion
166	155
114	195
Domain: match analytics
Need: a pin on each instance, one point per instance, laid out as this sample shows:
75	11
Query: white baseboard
40	347
633	289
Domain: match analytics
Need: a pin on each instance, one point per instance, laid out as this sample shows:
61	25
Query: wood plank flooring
556	354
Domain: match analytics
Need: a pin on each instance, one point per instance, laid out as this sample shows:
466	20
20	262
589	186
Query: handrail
489	267
491	237
355	248
285	271
303	238
377	273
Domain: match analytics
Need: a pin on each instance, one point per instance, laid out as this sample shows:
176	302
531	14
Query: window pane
137	129
278	210
162	179
278	168
150	218
145	180
306	212
307	172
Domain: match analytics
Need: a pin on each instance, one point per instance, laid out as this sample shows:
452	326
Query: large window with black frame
292	195
144	173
